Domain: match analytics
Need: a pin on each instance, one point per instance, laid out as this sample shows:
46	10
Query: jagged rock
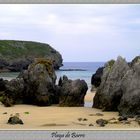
101	122
13	93
40	86
96	78
72	93
109	92
130	101
15	120
33	86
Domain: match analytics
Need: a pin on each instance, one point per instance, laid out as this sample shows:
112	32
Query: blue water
88	67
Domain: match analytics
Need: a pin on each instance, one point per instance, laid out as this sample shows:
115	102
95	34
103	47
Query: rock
13	93
122	118
138	120
99	114
36	86
84	119
15	120
18	55
72	93
130	101
2	84
80	119
5	113
101	122
19	65
91	124
40	86
96	78
109	93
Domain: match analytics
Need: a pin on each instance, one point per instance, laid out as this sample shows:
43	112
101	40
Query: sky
80	32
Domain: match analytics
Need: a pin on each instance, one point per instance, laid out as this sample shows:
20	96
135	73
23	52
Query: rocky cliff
17	55
120	88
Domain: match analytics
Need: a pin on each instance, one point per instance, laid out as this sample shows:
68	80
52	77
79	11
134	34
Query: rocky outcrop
96	77
120	88
17	55
130	101
15	120
36	85
72	92
40	84
109	92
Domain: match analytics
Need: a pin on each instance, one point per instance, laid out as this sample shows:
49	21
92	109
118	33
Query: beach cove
54	117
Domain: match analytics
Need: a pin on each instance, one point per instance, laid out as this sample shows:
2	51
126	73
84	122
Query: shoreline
60	118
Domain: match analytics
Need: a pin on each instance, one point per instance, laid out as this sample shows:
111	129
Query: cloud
72	29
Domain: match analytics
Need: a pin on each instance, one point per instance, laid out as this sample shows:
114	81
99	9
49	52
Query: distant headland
16	55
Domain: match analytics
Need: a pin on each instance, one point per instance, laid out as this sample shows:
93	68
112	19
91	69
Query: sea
73	70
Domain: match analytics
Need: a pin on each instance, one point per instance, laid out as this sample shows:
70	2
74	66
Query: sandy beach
54	117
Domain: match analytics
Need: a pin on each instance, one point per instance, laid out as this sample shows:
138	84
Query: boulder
101	122
109	93
15	120
72	92
130	101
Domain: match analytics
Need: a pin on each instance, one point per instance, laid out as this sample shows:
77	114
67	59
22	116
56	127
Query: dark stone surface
2	84
96	78
40	86
15	120
130	101
122	118
101	122
33	86
72	92
109	93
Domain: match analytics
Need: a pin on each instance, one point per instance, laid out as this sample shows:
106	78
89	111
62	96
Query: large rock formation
109	93
33	86
40	86
130	101
17	55
72	92
120	88
36	85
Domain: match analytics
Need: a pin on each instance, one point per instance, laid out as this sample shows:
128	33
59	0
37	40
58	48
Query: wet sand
54	117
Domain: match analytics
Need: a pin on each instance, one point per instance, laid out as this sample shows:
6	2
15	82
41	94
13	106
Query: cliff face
17	55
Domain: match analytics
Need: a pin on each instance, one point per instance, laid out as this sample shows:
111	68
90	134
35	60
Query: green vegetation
135	60
47	62
11	49
26	113
110	63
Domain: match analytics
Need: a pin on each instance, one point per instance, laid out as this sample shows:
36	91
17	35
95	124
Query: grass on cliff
11	49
